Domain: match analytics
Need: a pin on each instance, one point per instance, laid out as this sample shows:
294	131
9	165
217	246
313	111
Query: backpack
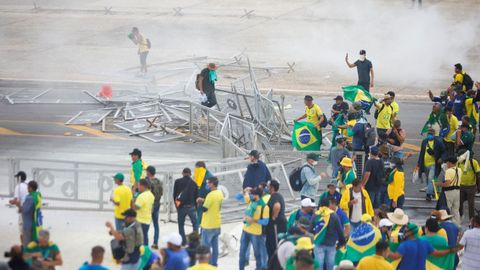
324	123
197	82
295	178
370	135
467	81
377	112
149	44
118	249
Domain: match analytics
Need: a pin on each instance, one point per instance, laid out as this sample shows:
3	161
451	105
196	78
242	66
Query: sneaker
428	198
477	195
423	189
154	246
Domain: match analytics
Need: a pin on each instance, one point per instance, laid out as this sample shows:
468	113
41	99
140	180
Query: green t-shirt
291	264
50	251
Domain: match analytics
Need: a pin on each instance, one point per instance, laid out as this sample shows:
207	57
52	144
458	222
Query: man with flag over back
31	214
327	230
308	136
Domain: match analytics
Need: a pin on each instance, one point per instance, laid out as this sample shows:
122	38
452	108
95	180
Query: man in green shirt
465	138
43	253
137	172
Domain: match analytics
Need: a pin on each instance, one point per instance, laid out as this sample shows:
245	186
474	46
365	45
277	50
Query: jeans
375	198
325	256
400	202
145	228
210	239
182	212
399	154
430	173
119	224
258	242
156	228
354	225
131	266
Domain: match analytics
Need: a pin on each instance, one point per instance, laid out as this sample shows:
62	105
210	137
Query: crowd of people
358	222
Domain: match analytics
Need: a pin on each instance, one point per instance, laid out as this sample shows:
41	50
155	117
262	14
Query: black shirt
377	174
363	69
208	86
185	190
277	197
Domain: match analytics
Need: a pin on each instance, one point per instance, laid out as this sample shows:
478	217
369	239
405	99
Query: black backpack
118	249
467	81
295	178
370	135
324	123
149	44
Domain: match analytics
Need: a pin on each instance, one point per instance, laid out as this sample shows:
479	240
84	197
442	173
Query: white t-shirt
21	192
471	242
357	208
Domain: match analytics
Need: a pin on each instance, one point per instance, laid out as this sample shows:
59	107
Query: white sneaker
423	189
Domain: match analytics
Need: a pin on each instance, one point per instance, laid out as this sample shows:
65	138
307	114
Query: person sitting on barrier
310	178
257	172
306	211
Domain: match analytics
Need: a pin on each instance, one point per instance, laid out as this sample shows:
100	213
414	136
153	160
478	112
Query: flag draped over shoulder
356	93
37	214
306	137
362	243
199	175
443	262
320	224
438	120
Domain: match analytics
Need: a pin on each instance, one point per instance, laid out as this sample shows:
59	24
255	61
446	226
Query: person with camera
16	261
43	253
130	238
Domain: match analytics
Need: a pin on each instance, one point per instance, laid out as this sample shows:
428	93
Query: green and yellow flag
436	263
356	93
37	214
320	224
362	242
305	137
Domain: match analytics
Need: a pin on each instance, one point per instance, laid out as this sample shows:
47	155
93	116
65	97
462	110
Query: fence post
75	181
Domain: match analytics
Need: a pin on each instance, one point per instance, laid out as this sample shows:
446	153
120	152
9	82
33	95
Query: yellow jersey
385	116
313	114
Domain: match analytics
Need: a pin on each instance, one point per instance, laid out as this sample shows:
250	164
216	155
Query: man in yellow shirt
453	123
203	257
395	106
144	206
314	114
212	218
377	261
253	230
384	114
468	186
396	185
451	187
122	199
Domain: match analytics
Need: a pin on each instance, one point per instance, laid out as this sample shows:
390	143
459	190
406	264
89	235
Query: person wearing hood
310	177
257	171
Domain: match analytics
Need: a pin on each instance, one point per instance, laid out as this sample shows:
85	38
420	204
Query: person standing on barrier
20	194
156	187
144	206
138	170
121	199
310	178
277	222
374	177
212	218
206	84
185	193
257	171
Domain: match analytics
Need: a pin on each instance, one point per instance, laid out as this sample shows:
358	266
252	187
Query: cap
21	174
151	170
340	137
347	162
308	97
304	243
387	96
345	265
212	66
363	52
331	185
412	227
391	93
385	222
313	156
136	152
254	153
129	213
374	150
458	66
338	98
173	238
366	218
307	202
119	176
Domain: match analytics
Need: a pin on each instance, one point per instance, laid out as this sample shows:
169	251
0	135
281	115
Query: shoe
154	246
428	198
423	189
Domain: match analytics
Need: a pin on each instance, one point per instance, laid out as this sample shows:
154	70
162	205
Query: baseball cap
340	137
212	66
363	52
385	222
366	218
304	243
374	150
338	98
313	156
308	97
458	66
254	153
173	238
136	152
307	202
119	176
129	213
151	170
331	184
21	174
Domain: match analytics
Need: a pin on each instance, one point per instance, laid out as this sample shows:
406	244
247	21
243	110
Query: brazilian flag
356	93
305	137
362	242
